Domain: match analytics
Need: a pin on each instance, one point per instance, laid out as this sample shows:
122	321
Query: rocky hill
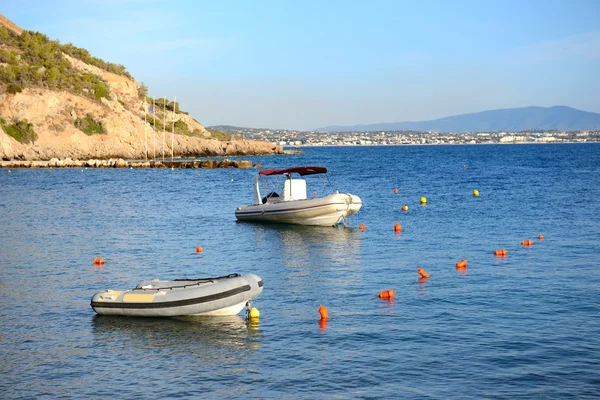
510	120
59	101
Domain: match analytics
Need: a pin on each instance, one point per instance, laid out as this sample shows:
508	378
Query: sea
522	326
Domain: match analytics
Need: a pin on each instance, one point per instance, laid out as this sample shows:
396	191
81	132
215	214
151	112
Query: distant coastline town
284	137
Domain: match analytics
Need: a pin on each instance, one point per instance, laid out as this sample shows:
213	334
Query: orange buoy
323	312
323	324
422	272
527	243
461	264
462	270
102	261
500	253
404	208
98	261
387	294
541	237
396	190
362	227
199	249
398	227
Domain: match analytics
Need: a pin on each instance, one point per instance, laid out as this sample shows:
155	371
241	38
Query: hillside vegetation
57	100
33	60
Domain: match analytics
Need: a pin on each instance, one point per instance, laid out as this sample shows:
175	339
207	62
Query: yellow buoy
423	200
475	192
254	313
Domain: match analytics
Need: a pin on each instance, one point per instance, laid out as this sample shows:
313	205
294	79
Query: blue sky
307	64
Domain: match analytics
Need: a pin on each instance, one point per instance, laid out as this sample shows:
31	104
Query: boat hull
211	296
324	211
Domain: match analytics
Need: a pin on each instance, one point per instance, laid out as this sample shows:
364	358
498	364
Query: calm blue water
527	326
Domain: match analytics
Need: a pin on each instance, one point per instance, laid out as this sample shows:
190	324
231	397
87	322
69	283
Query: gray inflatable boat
225	295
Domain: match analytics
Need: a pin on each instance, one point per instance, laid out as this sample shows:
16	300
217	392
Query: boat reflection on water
202	337
312	245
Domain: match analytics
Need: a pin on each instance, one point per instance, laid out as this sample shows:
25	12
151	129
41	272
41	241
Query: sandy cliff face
53	115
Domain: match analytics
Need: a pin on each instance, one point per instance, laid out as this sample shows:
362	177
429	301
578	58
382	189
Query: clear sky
306	64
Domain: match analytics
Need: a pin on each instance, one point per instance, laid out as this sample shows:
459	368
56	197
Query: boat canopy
299	170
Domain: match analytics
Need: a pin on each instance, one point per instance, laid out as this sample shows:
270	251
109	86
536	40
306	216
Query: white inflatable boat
226	295
293	206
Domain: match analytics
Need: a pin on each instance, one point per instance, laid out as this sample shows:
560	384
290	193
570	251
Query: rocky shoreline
121	163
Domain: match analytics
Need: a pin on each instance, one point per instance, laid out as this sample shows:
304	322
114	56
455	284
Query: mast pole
145	133
173	130
164	121
154	120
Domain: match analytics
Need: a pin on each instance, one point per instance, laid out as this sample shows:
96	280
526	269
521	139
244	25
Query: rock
207	164
67	162
53	162
225	164
242	164
257	165
120	163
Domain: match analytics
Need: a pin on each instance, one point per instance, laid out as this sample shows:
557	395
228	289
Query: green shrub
142	90
21	131
100	90
88	126
219	135
13	88
182	128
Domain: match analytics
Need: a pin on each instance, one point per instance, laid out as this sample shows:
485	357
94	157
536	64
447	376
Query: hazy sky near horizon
308	64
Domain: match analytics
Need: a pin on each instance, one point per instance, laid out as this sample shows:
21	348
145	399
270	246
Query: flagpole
154	120
173	130
145	133
164	121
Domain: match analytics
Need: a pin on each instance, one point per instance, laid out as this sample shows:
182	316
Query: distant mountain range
510	119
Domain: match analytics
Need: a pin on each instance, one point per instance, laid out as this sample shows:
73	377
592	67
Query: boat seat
270	195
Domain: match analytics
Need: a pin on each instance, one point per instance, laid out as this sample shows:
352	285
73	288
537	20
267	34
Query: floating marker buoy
423	200
254	313
475	192
199	249
500	253
398	227
323	312
541	237
362	227
323	324
404	208
387	294
461	264
422	272
396	190
98	261
527	243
